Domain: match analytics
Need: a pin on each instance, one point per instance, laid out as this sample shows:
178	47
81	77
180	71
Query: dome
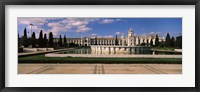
130	30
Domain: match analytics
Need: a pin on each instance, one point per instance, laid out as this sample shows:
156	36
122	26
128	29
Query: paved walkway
99	69
42	52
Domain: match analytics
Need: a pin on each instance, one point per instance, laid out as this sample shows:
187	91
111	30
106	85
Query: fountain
106	49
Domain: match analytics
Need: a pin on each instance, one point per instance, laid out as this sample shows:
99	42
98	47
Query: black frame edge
2	47
101	2
89	2
197	44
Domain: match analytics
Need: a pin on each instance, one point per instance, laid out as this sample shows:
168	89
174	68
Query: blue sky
100	27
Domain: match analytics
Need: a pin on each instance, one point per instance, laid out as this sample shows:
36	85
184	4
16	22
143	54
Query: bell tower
123	39
131	37
130	32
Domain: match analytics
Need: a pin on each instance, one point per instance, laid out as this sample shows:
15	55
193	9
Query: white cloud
77	24
118	33
101	36
118	19
37	22
34	28
107	21
76	21
59	25
55	24
93	34
106	36
151	34
154	33
30	20
30	29
83	28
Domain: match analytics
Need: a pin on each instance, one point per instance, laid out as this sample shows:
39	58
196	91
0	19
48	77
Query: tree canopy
167	40
179	41
116	41
51	43
157	41
40	42
45	40
151	42
60	41
172	44
65	41
25	39
33	40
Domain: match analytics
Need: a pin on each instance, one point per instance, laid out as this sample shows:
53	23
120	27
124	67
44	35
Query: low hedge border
43	59
96	61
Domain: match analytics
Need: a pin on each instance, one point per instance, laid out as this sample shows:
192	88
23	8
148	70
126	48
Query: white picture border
186	79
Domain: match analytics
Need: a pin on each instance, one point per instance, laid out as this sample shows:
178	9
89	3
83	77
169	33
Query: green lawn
43	59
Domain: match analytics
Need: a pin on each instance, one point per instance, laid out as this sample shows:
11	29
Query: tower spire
130	28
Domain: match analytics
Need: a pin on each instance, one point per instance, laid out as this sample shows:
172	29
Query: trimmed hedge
103	62
43	59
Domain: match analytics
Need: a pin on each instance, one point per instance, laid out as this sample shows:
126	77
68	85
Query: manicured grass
43	59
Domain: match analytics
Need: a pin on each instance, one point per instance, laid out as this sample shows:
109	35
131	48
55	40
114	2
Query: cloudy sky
101	27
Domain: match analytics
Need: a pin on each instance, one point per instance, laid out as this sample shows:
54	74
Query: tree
116	41
151	42
161	44
147	42
95	41
60	41
157	41
18	40
33	40
45	40
25	39
41	44
65	41
51	43
179	41
139	41
172	44
143	44
167	40
72	44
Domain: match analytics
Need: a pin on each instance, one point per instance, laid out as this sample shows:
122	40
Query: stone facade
130	40
85	41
